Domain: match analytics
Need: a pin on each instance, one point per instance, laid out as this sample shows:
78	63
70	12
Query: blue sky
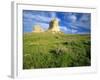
69	22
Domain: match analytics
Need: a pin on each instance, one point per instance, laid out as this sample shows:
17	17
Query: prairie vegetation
48	50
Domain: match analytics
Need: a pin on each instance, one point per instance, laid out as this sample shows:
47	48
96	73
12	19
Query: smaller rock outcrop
37	28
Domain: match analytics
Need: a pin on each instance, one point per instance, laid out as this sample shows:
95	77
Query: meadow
48	50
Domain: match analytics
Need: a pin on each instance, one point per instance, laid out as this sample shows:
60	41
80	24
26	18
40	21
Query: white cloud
74	31
84	17
65	29
44	26
81	24
84	22
73	18
40	18
37	17
53	15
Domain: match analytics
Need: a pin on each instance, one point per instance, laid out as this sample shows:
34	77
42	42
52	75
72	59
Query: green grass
48	50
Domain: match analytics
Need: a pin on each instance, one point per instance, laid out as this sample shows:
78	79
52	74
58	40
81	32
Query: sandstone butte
53	27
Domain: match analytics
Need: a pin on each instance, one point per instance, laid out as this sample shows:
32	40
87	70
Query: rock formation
37	28
54	26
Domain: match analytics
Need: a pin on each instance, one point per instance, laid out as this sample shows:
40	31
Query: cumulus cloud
84	22
72	18
31	18
53	14
37	17
77	22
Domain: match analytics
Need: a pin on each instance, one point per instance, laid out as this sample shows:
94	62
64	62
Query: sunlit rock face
54	26
37	28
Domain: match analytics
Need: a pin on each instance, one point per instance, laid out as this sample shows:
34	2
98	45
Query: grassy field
48	50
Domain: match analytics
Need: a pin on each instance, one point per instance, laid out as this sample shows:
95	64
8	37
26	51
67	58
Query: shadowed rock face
37	28
54	26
